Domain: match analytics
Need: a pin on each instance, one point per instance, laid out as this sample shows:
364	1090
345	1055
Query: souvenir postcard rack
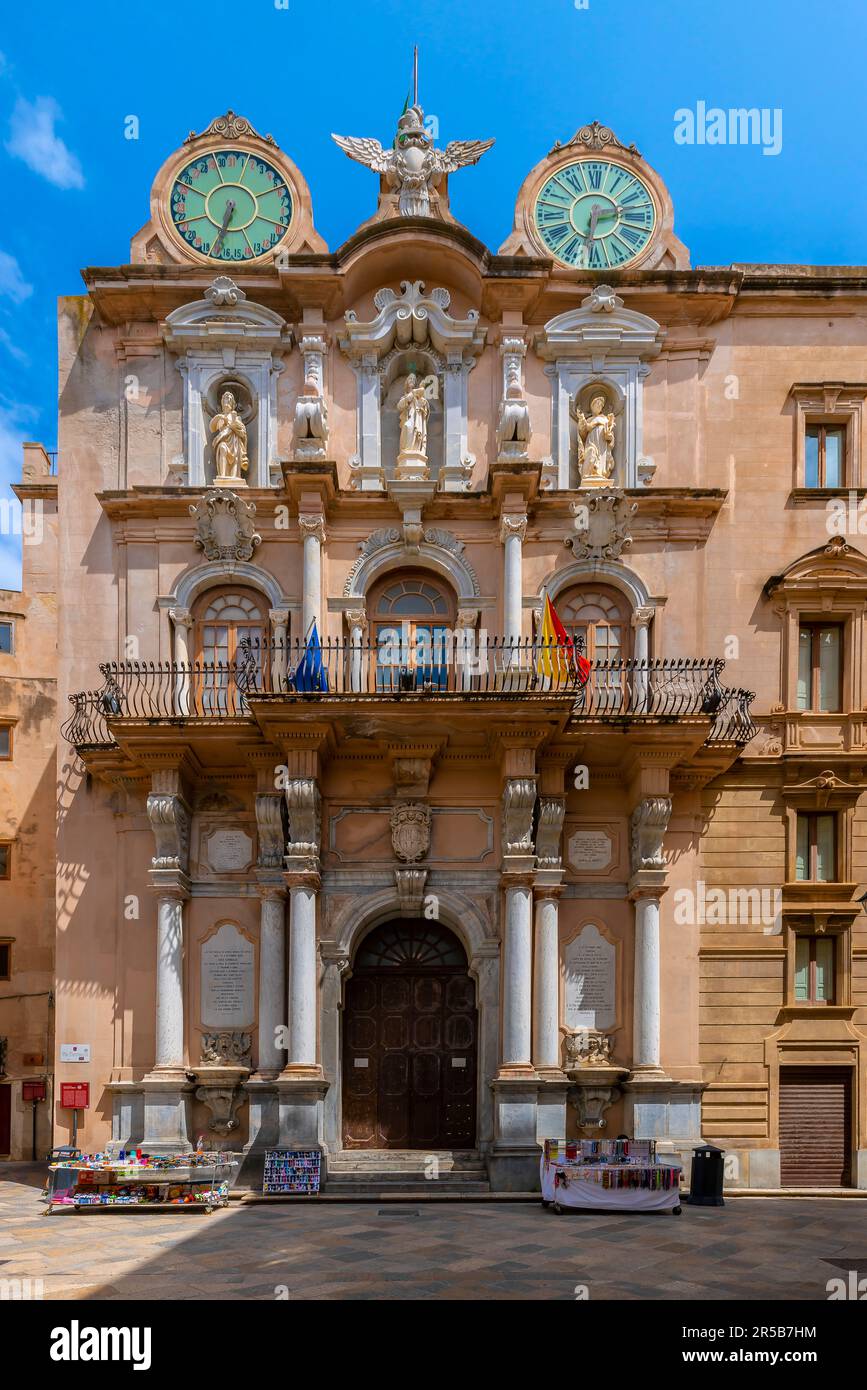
608	1174
96	1182
292	1172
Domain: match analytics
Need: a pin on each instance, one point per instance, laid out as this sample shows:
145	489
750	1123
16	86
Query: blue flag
310	674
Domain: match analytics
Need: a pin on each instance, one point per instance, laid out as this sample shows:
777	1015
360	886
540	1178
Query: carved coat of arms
410	831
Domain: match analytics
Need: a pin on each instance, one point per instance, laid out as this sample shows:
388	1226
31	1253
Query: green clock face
595	215
231	205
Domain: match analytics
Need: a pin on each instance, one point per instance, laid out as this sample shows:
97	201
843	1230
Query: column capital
356	617
181	617
511	525
306	877
647	883
642	616
312	525
270	888
279	616
169	883
547	883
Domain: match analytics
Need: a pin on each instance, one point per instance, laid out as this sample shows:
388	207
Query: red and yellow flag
555	655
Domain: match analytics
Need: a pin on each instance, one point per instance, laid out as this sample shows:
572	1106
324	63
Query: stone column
513	529
553	1088
166	1090
359	660
471	659
312	530
518	981
514	1159
182	621
648	825
279	654
641	620
272	976
302	974
169	1024
646	1015
546	1016
301	1084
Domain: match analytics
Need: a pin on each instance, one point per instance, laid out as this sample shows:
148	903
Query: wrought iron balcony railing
496	669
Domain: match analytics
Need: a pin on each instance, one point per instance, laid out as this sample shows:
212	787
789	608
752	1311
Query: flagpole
415	75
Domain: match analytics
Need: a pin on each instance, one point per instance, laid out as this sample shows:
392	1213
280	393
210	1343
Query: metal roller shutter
815	1126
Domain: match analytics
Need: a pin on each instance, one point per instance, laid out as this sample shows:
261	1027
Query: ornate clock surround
224	132
597	141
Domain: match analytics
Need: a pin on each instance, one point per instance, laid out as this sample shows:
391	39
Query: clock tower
228	197
595	205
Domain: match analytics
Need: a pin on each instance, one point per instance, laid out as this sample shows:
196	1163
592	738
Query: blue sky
75	190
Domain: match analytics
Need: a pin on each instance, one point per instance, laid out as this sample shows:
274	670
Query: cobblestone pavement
752	1248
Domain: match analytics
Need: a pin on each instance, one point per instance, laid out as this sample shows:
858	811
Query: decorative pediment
222	317
825	790
828	569
412	319
601	326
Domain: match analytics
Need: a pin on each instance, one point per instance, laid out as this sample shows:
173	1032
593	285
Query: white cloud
12	282
7	341
32	138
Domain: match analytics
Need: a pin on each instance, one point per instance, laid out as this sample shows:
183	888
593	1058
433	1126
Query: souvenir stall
609	1175
95	1182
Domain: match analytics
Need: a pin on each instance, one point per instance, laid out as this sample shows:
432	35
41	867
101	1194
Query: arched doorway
410	1029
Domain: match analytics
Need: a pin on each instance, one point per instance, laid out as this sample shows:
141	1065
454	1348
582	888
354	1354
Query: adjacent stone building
348	857
28	810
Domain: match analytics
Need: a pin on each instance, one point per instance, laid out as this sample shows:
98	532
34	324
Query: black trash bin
706	1179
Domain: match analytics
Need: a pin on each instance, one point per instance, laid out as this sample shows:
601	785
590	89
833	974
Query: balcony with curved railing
469	670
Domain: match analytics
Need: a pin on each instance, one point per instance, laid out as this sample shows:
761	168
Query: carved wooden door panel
410	1042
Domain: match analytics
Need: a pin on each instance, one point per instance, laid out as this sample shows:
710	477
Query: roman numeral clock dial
230	205
594	214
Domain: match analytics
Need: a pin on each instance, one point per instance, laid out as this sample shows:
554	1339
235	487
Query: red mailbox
75	1095
33	1090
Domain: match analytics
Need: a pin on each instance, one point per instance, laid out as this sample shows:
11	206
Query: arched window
225	618
411	617
600	618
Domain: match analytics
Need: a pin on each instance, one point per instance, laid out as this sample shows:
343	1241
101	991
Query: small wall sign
75	1052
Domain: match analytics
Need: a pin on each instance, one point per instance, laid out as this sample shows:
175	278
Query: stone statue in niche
230	442
595	442
413	411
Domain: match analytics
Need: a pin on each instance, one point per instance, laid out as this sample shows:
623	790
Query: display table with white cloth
599	1186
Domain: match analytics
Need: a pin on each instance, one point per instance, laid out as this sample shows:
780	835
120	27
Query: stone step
408	1160
373	1186
389	1176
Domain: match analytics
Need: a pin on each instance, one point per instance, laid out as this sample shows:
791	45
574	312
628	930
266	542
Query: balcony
615	693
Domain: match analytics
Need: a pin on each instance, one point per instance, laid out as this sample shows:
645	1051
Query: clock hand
594	218
227	216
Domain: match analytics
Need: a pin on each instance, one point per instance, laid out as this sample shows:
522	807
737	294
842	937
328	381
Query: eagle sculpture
413	165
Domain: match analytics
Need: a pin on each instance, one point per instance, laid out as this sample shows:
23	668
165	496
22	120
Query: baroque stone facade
342	675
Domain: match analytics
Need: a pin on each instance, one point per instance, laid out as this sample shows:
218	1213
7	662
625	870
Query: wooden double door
410	1030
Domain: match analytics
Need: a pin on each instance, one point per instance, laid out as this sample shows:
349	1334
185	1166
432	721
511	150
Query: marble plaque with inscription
228	1000
229	850
590	970
589	850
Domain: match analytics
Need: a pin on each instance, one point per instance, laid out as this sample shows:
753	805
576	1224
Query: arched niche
219	339
415	322
605	344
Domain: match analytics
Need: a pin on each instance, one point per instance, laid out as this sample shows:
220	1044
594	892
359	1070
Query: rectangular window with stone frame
828	435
